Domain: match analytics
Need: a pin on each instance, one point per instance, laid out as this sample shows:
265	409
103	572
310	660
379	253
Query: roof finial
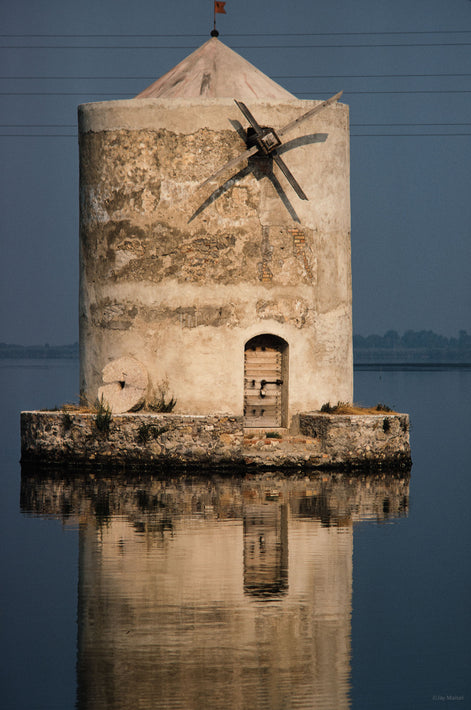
218	8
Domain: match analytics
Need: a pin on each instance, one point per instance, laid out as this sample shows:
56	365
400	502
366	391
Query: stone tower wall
180	277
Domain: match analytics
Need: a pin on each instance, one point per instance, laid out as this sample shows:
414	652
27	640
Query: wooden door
263	385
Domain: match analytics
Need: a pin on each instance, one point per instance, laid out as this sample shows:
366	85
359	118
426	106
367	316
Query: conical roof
215	71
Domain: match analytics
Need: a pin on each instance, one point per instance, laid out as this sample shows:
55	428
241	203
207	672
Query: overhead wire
352	135
243	46
356	125
251	34
300	93
274	76
352	125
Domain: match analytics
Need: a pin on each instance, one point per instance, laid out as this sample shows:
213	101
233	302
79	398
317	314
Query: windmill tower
235	291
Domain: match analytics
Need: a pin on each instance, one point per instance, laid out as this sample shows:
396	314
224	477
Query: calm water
262	593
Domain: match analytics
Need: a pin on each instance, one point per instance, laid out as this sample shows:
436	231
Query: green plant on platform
147	431
329	408
143	433
273	435
351	408
103	417
162	401
157	431
67	420
383	407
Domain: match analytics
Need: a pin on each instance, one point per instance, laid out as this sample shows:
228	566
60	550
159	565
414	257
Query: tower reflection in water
215	593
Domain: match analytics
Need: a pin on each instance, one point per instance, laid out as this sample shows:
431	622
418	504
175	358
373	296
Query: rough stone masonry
166	441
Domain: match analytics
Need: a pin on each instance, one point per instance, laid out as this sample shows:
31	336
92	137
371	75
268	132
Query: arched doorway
266	382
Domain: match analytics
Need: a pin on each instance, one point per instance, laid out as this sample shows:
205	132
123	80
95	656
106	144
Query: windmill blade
232	163
310	113
290	177
251	119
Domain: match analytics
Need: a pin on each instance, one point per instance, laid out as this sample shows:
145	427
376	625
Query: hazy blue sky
404	66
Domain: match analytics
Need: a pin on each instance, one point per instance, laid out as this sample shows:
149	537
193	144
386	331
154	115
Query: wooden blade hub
266	140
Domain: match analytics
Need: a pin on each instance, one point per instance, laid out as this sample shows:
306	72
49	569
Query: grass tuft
161	402
347	408
149	431
67	420
103	417
383	407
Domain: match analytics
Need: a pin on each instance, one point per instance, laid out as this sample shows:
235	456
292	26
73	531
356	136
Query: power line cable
355	135
300	93
357	125
274	76
359	76
253	34
399	91
352	135
38	135
408	135
353	125
246	46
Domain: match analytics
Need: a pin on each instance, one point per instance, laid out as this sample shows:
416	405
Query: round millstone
125	384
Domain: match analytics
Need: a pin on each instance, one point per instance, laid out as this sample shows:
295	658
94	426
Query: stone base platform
151	441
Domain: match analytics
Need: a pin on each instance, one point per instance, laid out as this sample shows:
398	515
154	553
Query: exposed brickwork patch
265	273
299	249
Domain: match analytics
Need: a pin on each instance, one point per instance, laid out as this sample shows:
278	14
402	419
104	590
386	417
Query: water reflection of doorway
266	549
266	381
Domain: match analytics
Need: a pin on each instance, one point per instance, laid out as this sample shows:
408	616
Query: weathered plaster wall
324	441
180	277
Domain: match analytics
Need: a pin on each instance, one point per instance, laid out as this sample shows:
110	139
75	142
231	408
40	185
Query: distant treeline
39	351
413	346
